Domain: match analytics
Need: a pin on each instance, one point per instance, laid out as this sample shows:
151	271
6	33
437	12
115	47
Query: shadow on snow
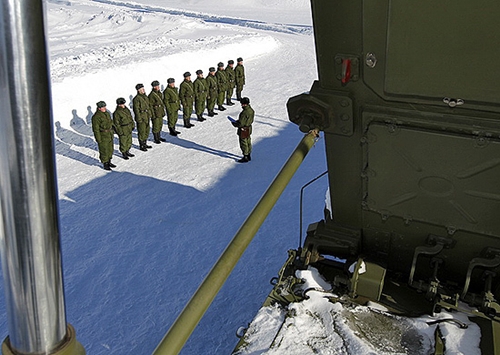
136	248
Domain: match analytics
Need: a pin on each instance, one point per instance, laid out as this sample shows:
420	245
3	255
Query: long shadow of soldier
268	123
79	125
64	149
192	145
72	138
89	115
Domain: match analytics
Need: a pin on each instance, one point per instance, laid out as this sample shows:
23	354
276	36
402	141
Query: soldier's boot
146	144
229	102
238	95
211	113
244	159
172	131
161	138
129	154
125	156
142	146
200	118
249	157
221	108
111	165
156	138
106	166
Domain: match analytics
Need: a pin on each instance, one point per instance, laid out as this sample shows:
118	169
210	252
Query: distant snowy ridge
277	27
128	36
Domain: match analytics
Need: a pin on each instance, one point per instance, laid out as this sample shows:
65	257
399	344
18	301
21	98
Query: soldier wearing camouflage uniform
221	85
186	94
102	125
239	77
172	104
143	113
244	125
124	125
155	99
230	82
213	91
200	94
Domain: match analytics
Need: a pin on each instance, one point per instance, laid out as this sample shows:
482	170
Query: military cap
239	59
138	86
120	101
199	71
186	74
211	69
170	80
230	61
101	104
155	83
244	101
220	64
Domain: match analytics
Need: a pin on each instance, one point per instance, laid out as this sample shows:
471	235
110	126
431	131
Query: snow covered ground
138	241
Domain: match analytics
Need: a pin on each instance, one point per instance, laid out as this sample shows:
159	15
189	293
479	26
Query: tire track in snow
260	25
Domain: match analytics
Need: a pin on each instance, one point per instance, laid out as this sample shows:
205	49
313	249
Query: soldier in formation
186	94
230	82
102	126
124	125
143	113
218	85
221	85
244	125
158	107
200	94
173	105
239	77
213	91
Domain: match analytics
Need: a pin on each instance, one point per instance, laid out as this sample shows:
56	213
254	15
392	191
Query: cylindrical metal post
184	325
29	229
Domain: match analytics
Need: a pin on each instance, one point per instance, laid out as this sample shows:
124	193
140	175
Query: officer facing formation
156	102
102	125
244	125
222	85
200	94
172	104
213	91
186	94
239	77
124	125
230	82
143	113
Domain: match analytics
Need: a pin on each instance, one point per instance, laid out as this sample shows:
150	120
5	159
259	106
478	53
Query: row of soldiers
203	93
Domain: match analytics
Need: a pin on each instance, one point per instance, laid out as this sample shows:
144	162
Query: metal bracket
436	245
488	263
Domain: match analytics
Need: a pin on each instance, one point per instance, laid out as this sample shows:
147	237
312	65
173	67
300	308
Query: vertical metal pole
29	228
301	199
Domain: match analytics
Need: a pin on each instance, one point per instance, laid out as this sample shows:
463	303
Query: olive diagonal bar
191	315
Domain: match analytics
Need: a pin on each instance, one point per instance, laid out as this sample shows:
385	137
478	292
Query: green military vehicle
408	103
